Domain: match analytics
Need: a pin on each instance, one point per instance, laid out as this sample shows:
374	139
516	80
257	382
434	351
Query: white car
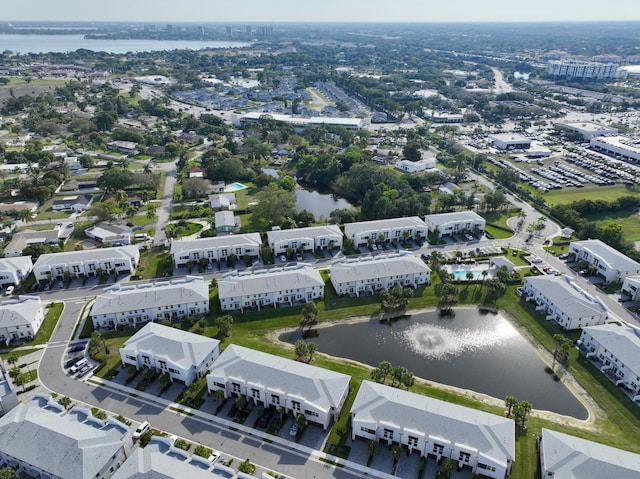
294	430
142	428
213	458
283	258
8	291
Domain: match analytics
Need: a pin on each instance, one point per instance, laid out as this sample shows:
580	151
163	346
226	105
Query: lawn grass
19	353
630	222
48	325
497	233
589	192
154	263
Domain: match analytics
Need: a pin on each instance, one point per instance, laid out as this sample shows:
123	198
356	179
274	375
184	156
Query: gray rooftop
454	217
16	263
120	298
570	457
98	254
568	296
322	387
310	232
489	434
409	222
62	445
268	281
621	340
614	258
180	347
381	266
19	311
230	241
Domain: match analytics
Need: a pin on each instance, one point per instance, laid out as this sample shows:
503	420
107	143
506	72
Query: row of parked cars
78	366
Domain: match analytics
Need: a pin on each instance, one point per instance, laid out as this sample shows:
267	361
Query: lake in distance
474	351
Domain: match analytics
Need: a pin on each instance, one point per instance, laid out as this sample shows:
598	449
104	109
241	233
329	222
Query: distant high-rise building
265	31
201	30
247	29
170	28
581	69
229	31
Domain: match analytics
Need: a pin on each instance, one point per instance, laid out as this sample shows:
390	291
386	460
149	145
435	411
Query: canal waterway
474	351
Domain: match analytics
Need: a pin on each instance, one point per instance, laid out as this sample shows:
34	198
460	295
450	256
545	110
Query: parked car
283	258
470	237
78	366
72	361
298	257
233	411
77	347
83	371
213	458
265	418
294	430
563	256
142	428
8	291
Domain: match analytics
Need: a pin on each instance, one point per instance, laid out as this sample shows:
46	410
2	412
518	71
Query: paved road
164	210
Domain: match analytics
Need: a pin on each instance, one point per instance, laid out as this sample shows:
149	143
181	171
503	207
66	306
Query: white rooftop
229	241
302	121
563	292
268	281
569	457
98	254
180	347
621	340
19	311
16	263
118	298
491	435
374	267
454	217
322	387
310	232
390	224
614	258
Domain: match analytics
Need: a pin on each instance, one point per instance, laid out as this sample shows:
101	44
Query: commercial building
563	301
607	262
568	457
479	441
620	147
182	355
510	141
416	166
587	129
616	348
301	123
272	381
312	239
20	318
215	249
455	223
382	231
291	285
119	260
367	275
130	306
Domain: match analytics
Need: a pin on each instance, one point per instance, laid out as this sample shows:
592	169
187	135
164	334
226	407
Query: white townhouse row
140	303
617	347
367	275
564	456
631	287
564	301
120	260
476	440
272	381
312	238
270	287
215	249
379	231
182	355
609	263
20	318
14	270
8	393
457	222
41	439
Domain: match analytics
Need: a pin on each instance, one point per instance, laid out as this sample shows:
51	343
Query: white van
79	365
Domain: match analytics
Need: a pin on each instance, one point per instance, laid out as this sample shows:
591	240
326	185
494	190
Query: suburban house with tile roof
275	287
305	239
607	262
476	440
214	249
616	349
568	457
381	231
120	260
563	301
367	275
20	318
40	439
182	355
135	304
273	381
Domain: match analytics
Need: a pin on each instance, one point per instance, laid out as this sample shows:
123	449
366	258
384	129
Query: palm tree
373	447
448	466
26	216
386	368
484	277
510	402
469	278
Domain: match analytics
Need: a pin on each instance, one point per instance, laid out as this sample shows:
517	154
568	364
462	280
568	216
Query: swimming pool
235	187
459	271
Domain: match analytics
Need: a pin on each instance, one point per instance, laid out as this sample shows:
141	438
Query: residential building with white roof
25	238
14	270
120	260
135	304
41	441
226	222
8	394
182	355
273	287
409	166
223	201
616	347
109	233
631	287
20	318
454	223
568	457
367	275
215	249
608	263
563	301
273	381
393	229
305	239
482	442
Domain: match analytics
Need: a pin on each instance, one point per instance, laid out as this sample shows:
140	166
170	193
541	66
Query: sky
265	11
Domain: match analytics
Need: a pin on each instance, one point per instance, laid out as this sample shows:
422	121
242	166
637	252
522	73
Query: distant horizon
329	11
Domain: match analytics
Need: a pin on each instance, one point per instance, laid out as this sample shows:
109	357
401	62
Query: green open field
629	221
590	192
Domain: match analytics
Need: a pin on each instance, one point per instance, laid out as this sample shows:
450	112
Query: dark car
265	418
233	411
77	347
